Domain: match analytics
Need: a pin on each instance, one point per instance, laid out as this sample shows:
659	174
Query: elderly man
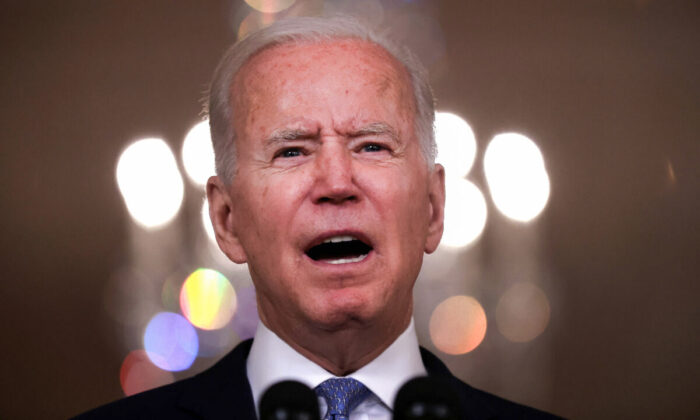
328	190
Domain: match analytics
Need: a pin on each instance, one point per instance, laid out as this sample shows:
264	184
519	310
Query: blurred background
568	275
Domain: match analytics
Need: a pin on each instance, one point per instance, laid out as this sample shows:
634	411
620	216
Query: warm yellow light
269	6
255	21
516	175
150	182
207	299
458	325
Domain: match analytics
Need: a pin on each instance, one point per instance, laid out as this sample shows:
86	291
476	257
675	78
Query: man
326	187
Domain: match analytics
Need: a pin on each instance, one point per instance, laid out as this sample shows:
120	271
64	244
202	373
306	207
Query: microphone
289	400
427	398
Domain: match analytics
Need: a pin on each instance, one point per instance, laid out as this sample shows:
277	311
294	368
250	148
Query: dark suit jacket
223	392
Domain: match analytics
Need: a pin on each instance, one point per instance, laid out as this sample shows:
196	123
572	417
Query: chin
338	312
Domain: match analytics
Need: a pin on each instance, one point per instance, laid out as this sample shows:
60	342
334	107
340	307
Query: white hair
308	30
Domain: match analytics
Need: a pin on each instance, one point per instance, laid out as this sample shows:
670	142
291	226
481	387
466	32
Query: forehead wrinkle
390	78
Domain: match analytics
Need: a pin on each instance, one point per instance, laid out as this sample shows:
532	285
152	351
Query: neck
345	349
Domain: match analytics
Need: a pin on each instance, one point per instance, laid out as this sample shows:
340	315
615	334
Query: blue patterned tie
342	396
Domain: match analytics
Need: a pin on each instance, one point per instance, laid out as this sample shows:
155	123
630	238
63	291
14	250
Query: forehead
360	65
363	53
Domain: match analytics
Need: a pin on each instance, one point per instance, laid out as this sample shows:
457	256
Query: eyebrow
285	135
375	129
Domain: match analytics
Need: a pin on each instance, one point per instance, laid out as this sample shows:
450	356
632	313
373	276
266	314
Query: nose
334	179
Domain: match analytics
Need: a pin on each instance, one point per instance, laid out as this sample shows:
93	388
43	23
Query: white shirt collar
272	360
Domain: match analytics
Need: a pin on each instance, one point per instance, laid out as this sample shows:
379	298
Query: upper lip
320	238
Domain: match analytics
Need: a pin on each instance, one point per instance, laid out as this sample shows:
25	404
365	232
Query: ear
223	219
436	197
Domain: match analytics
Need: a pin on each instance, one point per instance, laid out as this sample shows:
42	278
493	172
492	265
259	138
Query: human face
326	150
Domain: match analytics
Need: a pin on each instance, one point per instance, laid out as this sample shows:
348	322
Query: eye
372	147
290	152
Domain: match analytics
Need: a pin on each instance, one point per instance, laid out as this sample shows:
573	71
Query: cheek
410	214
406	196
270	205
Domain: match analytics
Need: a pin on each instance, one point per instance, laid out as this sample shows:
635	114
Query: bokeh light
138	374
198	153
206	221
269	6
458	325
516	175
255	21
171	342
456	144
522	313
465	213
150	182
207	299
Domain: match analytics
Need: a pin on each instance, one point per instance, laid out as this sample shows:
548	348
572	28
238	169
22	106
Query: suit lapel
472	405
222	391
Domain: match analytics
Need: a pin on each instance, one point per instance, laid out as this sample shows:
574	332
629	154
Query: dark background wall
609	90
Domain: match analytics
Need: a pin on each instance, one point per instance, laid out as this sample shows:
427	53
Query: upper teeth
336	239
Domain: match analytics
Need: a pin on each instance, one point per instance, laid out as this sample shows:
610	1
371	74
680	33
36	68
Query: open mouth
340	250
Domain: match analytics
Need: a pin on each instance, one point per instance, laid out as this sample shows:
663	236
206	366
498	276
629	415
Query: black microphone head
289	400
427	398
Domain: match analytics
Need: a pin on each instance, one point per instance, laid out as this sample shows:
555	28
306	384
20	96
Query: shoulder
485	405
478	404
215	393
157	403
